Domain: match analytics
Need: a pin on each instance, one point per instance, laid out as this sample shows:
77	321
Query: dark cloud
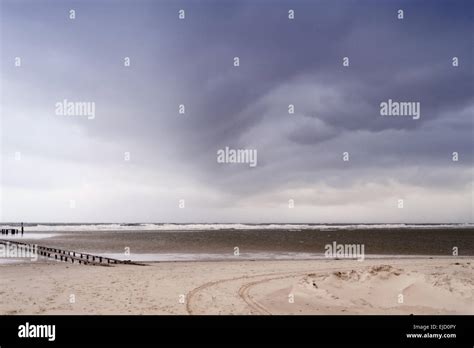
282	62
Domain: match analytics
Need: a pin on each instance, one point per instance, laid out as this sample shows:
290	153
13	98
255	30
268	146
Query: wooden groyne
11	231
68	255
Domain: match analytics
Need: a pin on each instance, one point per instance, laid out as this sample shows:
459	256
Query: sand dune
428	286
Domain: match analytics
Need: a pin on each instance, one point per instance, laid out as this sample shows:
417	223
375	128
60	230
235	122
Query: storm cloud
49	160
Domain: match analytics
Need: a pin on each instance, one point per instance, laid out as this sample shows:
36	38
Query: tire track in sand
190	297
243	292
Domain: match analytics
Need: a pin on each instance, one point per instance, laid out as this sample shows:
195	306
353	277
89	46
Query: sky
139	160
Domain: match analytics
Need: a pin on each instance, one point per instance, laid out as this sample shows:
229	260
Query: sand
398	286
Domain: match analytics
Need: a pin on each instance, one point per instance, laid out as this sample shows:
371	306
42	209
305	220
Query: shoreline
4	261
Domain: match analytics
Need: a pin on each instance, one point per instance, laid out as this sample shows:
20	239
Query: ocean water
189	242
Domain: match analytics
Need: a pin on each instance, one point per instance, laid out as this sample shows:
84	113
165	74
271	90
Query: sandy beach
389	286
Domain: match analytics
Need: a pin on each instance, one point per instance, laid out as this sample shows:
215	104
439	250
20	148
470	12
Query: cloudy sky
73	169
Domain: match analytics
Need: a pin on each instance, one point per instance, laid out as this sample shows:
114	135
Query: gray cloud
190	62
